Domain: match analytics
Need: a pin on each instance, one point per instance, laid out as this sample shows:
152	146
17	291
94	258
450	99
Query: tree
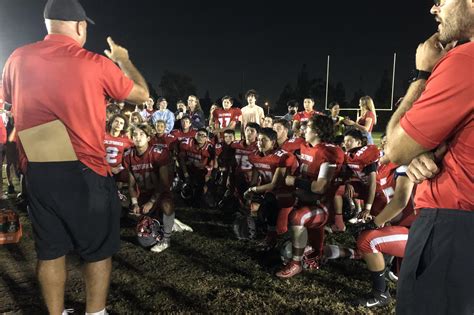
176	86
339	94
206	102
286	95
355	99
383	94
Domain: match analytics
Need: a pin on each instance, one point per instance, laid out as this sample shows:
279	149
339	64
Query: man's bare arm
119	55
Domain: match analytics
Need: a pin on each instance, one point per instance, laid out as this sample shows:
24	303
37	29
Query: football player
116	142
186	131
224	118
242	174
308	104
270	166
321	162
163	139
149	181
362	161
196	160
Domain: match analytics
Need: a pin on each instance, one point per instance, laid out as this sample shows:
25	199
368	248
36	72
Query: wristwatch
420	75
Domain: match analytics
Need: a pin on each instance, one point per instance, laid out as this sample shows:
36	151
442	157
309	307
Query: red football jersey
313	157
223	118
387	178
357	159
266	165
292	145
305	116
115	147
242	152
197	157
166	141
143	166
181	135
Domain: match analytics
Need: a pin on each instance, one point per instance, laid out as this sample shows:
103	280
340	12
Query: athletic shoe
311	261
392	276
290	270
182	227
376	299
160	246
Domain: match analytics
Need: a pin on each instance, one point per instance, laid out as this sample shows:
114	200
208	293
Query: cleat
376	299
160	246
311	261
291	269
183	227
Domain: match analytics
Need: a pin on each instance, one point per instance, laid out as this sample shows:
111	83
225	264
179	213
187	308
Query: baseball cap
65	10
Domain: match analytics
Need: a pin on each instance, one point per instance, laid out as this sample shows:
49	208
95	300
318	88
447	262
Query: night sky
218	43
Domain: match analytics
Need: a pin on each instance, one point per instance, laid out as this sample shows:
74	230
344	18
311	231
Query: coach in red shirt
437	272
73	205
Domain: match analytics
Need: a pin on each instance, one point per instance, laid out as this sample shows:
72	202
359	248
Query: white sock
332	252
168	222
103	312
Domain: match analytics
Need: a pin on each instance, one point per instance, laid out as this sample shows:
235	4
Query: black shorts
437	273
73	209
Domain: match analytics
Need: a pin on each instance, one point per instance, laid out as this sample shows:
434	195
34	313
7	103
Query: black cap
65	10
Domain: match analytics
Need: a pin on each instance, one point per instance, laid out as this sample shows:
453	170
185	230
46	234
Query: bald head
73	29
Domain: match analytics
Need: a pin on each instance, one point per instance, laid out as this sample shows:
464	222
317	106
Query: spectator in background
179	113
267	122
163	113
367	119
338	121
136	119
292	110
148	110
198	120
252	112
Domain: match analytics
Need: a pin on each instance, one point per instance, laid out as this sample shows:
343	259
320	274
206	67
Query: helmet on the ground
149	231
186	191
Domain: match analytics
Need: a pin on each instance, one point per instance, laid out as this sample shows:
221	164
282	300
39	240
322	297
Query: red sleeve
215	115
297	117
330	155
114	81
237	114
447	100
370	155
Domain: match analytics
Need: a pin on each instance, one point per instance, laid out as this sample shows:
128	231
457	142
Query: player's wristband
152	201
134	201
368	206
304	184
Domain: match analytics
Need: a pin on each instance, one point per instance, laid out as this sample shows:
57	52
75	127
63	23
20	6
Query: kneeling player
378	239
149	181
320	164
270	167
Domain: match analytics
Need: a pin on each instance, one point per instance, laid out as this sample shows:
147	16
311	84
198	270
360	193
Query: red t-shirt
362	119
57	79
444	113
115	147
141	167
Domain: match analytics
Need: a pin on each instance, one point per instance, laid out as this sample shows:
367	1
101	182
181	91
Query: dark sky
218	42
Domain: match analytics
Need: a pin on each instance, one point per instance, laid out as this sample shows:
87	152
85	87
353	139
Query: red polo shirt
57	79
444	113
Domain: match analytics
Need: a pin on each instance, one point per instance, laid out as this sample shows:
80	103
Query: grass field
206	271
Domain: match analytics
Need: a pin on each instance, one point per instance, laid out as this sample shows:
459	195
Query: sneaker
376	299
311	261
11	189
290	270
392	276
182	227
160	246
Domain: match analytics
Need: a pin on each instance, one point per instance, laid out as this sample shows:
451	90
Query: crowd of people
298	176
328	172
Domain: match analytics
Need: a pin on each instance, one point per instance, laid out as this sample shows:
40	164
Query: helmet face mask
149	231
